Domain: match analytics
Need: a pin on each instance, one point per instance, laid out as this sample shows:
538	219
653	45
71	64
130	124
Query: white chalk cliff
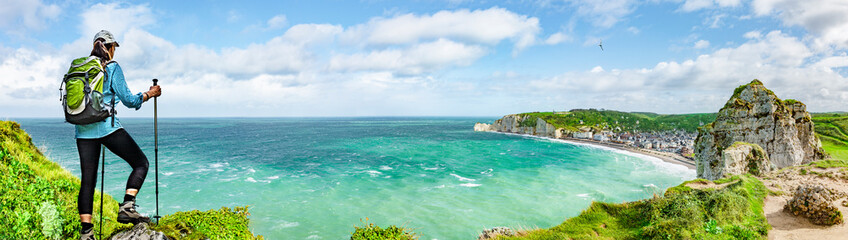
754	115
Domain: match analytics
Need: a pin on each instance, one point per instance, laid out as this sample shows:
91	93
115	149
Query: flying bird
601	44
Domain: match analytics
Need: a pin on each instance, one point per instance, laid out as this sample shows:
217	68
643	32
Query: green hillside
623	121
733	212
832	129
38	200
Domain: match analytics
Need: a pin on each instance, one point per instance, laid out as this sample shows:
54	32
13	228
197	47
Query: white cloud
277	22
488	26
16	16
701	44
828	19
694	5
604	13
784	63
114	18
414	60
557	38
633	30
753	35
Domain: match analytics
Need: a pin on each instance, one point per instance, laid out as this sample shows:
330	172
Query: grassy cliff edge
38	199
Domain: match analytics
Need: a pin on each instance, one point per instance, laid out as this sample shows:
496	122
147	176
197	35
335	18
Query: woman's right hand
154	91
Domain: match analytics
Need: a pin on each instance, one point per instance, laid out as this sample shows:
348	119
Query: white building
601	137
584	135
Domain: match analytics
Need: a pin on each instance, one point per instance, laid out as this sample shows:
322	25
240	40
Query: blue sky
432	58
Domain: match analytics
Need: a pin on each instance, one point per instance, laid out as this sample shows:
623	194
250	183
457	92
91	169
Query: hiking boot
127	214
89	235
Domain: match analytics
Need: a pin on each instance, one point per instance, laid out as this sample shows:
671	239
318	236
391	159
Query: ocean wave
385	168
286	224
461	178
251	179
374	173
470	185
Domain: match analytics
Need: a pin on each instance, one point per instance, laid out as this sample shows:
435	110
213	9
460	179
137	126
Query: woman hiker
90	137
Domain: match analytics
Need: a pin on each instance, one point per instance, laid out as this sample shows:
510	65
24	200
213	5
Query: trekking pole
103	169
102	182
156	148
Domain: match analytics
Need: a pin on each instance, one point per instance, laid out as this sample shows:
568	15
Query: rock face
753	114
815	203
741	158
495	233
140	232
522	124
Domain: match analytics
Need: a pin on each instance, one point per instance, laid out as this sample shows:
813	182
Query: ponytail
101	51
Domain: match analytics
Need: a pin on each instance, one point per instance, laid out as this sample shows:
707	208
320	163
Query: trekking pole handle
155	81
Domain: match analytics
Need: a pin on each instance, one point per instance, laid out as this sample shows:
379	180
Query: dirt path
787	226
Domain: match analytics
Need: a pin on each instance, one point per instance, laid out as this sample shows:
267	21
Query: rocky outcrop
483	127
740	158
496	232
753	114
140	232
815	202
522	124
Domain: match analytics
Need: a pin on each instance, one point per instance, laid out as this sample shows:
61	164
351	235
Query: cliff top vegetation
617	121
39	201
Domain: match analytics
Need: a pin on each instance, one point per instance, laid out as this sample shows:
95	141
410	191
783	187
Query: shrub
369	231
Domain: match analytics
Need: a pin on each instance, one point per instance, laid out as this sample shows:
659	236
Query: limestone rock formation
140	232
483	127
815	202
522	124
753	114
740	158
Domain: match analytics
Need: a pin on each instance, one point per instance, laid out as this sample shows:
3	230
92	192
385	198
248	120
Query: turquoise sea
315	178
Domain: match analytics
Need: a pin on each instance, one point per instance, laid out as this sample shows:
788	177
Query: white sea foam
431	168
273	177
250	179
583	195
650	185
251	170
313	236
168	173
470	185
461	178
217	165
487	172
385	168
374	173
440	186
286	224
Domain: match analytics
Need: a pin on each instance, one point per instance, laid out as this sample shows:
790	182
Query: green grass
212	224
369	231
734	212
38	200
621	121
832	130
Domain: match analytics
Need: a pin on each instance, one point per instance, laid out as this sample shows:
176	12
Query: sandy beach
664	156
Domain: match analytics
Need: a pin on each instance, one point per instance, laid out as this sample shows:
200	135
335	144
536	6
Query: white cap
106	36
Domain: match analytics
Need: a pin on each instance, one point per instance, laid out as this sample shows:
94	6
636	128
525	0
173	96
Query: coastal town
679	142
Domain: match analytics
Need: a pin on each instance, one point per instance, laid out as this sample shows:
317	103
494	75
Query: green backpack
82	92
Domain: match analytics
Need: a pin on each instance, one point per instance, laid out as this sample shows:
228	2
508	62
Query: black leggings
120	143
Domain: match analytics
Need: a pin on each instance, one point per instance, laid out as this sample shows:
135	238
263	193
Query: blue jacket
115	79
